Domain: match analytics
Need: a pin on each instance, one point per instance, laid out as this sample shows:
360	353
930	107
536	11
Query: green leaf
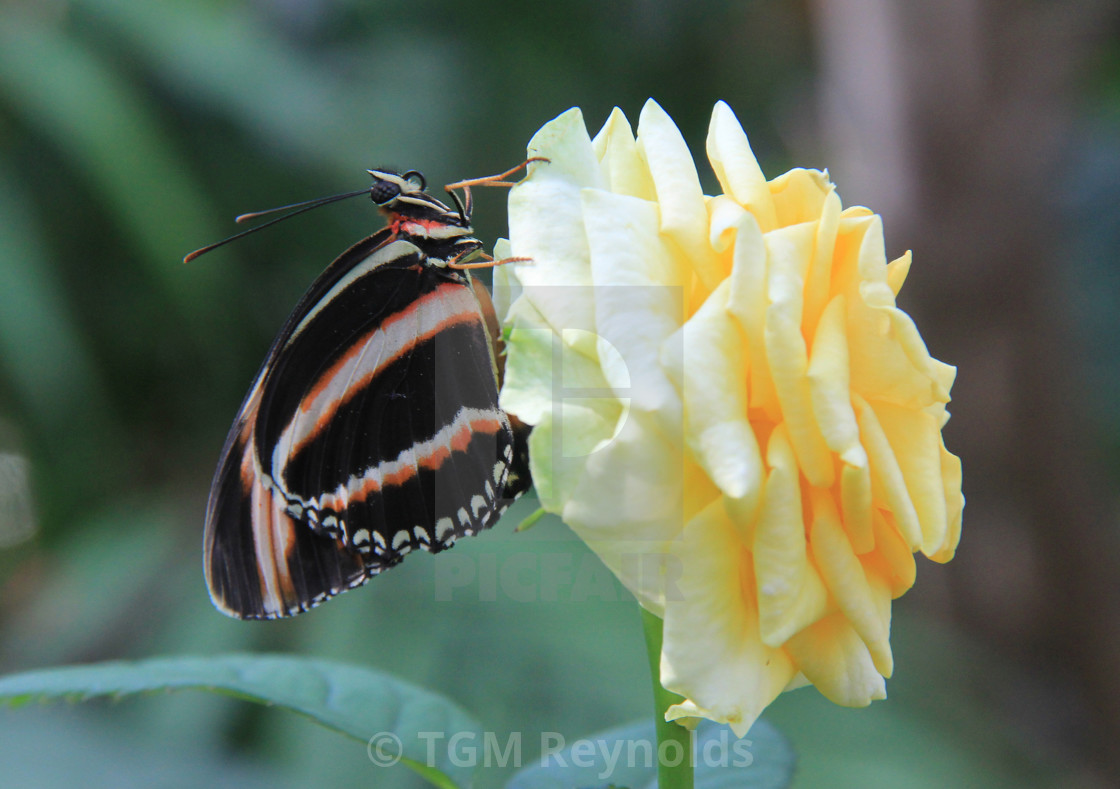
367	705
627	757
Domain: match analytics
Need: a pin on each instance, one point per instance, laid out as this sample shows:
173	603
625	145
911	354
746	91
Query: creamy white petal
713	653
736	167
546	223
684	215
624	170
636	285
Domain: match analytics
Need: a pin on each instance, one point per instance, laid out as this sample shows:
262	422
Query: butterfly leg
486	262
494	180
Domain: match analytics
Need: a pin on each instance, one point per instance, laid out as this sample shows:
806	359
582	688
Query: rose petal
954	505
915	438
748	301
786	355
834	658
629	501
856	503
636	284
868	609
713	379
791	594
799	196
889	360
892	560
684	215
830	387
546	223
712	651
887	481
724	218
818	279
624	170
736	167
560	443
897	270
535	378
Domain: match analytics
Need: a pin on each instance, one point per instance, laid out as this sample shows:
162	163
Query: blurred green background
987	133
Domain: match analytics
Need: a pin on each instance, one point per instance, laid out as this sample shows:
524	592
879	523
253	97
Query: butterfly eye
383	192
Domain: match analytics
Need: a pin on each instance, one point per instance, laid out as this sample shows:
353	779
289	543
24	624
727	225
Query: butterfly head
411	209
389	186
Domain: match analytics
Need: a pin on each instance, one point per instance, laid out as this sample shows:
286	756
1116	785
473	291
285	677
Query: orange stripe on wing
373	482
246	422
466	311
273	539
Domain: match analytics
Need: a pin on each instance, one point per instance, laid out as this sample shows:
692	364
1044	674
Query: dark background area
987	133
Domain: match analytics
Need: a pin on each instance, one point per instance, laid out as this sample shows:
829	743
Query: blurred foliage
130	133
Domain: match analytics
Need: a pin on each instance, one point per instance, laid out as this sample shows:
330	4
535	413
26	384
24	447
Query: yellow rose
728	407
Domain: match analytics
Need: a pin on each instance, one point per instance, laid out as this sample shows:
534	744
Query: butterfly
373	427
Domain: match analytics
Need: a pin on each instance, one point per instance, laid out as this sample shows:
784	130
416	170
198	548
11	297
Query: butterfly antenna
293	209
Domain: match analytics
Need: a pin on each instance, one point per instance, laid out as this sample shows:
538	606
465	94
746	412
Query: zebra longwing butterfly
373	427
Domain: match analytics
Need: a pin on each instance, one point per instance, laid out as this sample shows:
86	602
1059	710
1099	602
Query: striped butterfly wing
372	430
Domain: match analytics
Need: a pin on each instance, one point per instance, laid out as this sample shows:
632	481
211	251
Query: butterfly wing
373	429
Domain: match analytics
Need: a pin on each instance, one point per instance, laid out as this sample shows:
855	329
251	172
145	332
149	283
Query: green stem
674	763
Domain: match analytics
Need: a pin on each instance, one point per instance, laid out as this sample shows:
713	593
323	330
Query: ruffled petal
834	658
830	386
799	196
546	223
637	282
684	215
713	379
954	505
786	354
713	654
540	366
790	592
887	482
736	167
915	438
748	301
866	606
624	170
892	560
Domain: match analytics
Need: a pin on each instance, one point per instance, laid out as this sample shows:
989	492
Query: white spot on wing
444	526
